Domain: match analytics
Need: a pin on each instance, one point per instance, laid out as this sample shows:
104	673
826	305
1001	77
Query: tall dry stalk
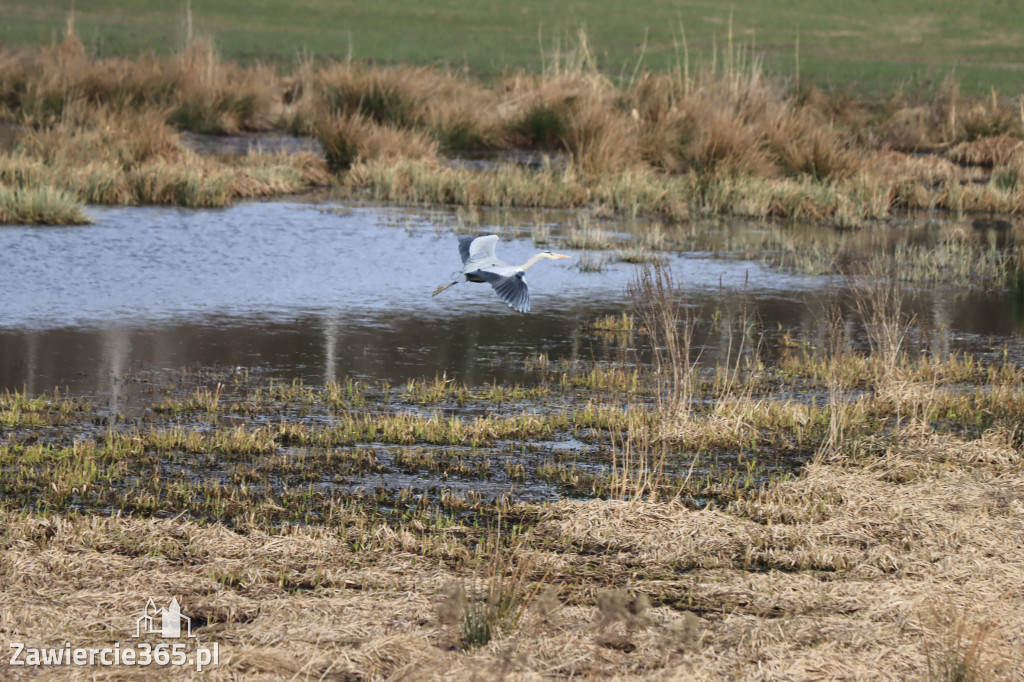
878	299
638	461
836	350
745	346
959	649
660	304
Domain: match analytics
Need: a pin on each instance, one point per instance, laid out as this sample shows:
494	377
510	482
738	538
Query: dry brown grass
214	96
986	151
197	89
454	112
353	138
115	156
712	140
600	137
837	575
901	560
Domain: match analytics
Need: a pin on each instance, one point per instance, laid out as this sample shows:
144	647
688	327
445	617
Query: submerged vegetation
721	139
632	514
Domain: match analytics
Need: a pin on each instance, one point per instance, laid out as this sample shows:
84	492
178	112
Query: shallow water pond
323	291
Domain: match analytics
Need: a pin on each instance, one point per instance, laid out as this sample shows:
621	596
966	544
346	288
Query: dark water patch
10	133
268	143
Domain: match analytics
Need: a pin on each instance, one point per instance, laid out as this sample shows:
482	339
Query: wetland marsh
764	423
427	453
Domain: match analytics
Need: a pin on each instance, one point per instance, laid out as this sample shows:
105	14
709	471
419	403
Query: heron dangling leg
443	287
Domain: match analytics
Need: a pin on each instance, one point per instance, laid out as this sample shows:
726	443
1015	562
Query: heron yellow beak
559	255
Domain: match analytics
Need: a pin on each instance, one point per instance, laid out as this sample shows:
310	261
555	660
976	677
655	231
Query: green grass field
870	46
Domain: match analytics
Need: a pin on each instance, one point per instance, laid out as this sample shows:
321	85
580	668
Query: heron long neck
536	257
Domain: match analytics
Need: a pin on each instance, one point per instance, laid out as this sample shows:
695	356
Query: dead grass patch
719	139
985	151
854	568
112	156
351	138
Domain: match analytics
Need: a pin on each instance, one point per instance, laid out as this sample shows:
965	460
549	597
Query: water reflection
321	291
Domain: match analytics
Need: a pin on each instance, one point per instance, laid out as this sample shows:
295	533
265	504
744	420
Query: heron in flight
479	264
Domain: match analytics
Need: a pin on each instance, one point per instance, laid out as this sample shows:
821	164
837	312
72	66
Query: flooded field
764	422
306	332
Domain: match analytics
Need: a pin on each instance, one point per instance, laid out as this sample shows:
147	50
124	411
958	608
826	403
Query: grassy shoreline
724	141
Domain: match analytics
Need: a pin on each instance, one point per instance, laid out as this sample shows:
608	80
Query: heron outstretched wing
511	289
473	248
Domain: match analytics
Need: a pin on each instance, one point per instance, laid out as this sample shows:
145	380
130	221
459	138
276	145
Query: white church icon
165	622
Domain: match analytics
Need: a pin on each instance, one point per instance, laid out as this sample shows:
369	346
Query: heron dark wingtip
464	242
511	289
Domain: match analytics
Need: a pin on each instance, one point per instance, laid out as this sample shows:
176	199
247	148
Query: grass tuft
40	205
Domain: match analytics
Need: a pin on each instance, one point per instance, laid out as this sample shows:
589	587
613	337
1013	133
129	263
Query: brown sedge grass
745	145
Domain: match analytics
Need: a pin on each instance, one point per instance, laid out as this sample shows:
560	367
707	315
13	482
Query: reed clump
109	156
196	89
40	205
214	96
453	112
354	138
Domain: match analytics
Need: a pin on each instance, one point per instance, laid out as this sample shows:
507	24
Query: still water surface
323	291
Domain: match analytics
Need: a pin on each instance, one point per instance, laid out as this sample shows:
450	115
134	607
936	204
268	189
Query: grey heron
479	264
